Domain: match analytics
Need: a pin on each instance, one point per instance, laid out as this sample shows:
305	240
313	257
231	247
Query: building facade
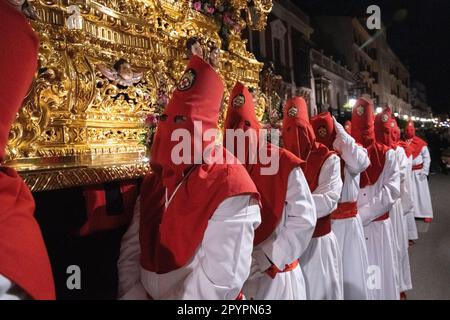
378	72
286	43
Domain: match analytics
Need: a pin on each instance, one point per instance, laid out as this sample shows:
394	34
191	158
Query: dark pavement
430	256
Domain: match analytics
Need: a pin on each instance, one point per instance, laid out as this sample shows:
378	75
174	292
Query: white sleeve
10	291
384	193
289	241
354	155
407	193
426	160
328	192
225	253
402	164
128	265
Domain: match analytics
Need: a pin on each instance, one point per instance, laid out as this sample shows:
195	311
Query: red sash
383	217
273	270
345	210
323	227
417	167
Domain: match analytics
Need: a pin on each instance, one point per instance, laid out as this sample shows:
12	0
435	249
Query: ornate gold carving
73	113
67	178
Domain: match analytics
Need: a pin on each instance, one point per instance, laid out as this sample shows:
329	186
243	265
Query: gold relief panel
81	116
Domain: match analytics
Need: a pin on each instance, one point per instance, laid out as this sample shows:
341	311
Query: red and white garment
193	228
346	223
379	190
25	269
421	168
321	262
287	213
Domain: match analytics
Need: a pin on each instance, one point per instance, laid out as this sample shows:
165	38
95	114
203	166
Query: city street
430	256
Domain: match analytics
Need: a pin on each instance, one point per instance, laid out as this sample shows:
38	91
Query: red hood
363	122
324	129
384	126
197	98
410	130
298	133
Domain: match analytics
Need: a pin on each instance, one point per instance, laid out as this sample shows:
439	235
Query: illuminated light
413	118
378	110
405	117
396	114
352	102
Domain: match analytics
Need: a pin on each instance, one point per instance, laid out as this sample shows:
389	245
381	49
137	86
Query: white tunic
408	204
422	201
321	262
349	232
284	246
373	202
10	291
218	269
399	223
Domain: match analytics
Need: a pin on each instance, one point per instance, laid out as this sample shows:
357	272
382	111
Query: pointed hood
363	122
194	107
298	134
384	127
324	129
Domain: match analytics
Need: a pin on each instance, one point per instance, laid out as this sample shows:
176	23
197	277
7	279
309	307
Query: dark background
421	38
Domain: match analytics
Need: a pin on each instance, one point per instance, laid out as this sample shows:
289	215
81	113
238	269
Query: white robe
399	223
408	203
321	262
284	246
218	269
10	291
374	201
349	232
422	201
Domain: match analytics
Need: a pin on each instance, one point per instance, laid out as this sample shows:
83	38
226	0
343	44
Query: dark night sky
421	40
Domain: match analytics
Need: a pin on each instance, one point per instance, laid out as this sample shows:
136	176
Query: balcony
320	59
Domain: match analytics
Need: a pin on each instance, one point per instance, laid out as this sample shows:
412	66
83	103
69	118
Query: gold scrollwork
73	113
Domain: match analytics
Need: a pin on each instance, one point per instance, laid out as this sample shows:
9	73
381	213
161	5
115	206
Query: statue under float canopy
104	66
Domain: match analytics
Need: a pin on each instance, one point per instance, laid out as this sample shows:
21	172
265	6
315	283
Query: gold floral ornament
384	118
292	112
187	80
238	101
360	110
392	124
122	73
323	132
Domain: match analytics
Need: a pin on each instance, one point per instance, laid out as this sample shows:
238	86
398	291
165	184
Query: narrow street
430	256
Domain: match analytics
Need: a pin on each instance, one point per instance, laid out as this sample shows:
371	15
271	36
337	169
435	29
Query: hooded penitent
23	256
300	139
323	126
414	143
396	138
348	127
177	200
241	115
384	127
363	132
